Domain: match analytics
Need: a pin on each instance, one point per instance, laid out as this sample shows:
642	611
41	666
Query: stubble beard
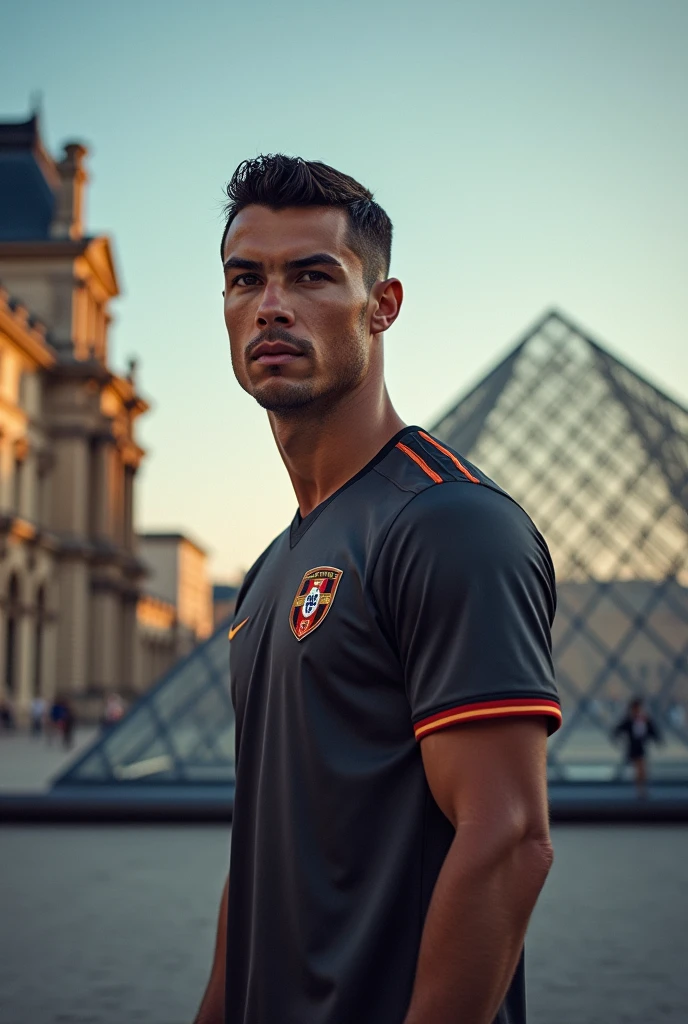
298	399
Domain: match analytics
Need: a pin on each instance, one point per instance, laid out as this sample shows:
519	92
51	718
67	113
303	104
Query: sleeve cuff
490	709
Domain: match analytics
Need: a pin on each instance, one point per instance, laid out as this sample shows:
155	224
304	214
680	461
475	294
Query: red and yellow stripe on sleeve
489	709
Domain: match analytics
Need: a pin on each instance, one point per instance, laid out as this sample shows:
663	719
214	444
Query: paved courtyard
112	925
29	763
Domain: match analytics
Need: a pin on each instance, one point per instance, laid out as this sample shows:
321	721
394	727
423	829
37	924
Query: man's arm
212	1008
489	779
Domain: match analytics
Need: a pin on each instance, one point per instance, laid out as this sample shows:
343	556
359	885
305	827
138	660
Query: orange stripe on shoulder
450	455
419	462
488	709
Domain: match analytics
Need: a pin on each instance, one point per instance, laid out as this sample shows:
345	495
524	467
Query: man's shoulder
461	523
437	481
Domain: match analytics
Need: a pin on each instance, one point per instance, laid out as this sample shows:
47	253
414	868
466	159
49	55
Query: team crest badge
313	599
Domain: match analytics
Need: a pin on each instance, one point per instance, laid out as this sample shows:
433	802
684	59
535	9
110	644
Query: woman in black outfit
638	729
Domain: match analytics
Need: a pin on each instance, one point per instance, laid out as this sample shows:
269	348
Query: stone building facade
72	583
176	611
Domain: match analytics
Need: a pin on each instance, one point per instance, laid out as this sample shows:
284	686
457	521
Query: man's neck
321	453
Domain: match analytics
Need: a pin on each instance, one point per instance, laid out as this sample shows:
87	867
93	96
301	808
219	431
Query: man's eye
246	280
311	276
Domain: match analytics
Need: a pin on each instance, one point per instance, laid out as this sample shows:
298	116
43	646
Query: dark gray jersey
417	597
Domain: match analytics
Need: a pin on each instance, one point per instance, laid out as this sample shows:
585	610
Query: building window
17	485
21	450
43	471
12	636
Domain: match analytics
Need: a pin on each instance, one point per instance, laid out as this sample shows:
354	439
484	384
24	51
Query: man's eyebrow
239	262
312	261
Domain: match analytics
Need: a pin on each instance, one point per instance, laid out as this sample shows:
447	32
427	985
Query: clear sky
530	154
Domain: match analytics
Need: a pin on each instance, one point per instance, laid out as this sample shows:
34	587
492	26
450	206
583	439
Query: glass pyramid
181	731
599	458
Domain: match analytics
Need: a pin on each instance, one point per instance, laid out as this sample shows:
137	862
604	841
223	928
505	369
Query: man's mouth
275	353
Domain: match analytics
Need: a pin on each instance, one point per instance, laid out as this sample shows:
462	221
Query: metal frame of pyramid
598	456
181	732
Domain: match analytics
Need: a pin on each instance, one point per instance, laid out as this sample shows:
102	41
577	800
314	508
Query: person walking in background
6	715
54	723
38	708
67	724
638	728
113	711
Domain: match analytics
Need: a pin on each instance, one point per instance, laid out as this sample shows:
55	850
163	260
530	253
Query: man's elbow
541	853
534	855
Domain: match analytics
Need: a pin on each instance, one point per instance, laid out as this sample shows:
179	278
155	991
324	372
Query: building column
105	638
25	656
74	627
49	654
99	513
12	636
128	646
31	486
70	497
129	478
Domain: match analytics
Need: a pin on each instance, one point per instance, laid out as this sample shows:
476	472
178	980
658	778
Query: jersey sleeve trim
512	707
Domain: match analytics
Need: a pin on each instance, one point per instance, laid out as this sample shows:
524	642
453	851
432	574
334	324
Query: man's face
295	306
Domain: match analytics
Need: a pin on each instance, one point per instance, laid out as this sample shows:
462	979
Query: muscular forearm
475	926
212	1008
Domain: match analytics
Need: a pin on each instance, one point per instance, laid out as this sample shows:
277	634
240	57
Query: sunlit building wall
75	618
177	574
28	564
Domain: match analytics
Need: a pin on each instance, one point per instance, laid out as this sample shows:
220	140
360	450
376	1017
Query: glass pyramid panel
182	731
599	458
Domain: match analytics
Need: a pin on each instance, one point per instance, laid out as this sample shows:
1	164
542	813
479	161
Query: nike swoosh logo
235	629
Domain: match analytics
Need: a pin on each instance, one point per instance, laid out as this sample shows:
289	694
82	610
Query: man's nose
274	309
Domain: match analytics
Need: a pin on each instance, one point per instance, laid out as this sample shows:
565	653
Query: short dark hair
279	181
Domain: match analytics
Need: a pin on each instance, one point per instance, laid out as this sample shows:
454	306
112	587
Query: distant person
67	724
37	714
677	715
390	657
54	724
113	711
6	715
61	719
637	728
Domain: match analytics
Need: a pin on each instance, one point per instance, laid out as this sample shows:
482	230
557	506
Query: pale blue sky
530	154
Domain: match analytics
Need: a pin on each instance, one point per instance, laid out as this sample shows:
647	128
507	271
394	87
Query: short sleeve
465	587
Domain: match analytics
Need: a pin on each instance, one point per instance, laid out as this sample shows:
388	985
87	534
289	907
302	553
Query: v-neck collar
299	526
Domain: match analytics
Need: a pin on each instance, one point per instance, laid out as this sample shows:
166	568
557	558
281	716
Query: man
390	659
37	712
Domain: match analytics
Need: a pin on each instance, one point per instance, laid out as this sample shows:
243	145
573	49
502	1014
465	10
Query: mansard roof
28	182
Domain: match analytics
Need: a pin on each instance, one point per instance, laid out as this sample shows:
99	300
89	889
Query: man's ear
388	297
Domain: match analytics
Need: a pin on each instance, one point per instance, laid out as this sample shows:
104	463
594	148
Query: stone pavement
28	763
115	925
